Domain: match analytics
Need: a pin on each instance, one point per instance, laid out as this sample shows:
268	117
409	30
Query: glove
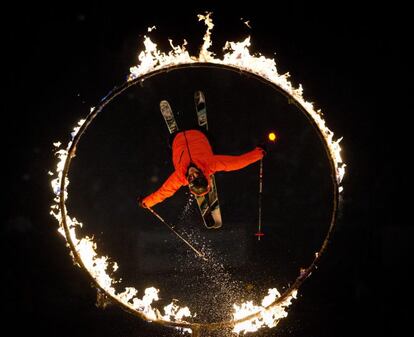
141	202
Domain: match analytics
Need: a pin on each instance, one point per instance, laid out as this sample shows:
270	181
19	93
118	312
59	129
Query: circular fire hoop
197	328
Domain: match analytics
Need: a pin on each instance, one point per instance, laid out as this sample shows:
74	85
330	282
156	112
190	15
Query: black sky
60	62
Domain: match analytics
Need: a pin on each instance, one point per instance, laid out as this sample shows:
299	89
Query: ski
168	115
209	205
200	103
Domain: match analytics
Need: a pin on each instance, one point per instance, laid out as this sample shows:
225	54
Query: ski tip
199	96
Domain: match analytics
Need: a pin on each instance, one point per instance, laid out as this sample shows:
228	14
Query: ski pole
175	232
271	137
259	233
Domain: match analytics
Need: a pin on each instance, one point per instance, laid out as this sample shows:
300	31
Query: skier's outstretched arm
170	186
232	163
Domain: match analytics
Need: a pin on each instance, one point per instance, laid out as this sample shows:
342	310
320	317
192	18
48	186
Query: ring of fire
138	76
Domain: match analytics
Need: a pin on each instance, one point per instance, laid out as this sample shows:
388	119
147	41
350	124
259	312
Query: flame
269	315
100	267
247	23
238	55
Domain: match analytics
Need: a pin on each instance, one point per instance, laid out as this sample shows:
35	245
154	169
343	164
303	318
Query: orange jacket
202	156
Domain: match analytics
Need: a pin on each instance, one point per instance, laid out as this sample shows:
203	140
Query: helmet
199	186
197	181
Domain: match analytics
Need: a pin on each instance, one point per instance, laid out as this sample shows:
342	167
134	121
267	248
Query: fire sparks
247	317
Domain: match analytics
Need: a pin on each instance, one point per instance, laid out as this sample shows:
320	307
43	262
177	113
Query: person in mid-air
194	163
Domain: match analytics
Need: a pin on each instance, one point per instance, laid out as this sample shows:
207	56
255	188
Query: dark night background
60	62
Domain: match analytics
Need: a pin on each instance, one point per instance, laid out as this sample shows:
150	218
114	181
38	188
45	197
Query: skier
195	163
